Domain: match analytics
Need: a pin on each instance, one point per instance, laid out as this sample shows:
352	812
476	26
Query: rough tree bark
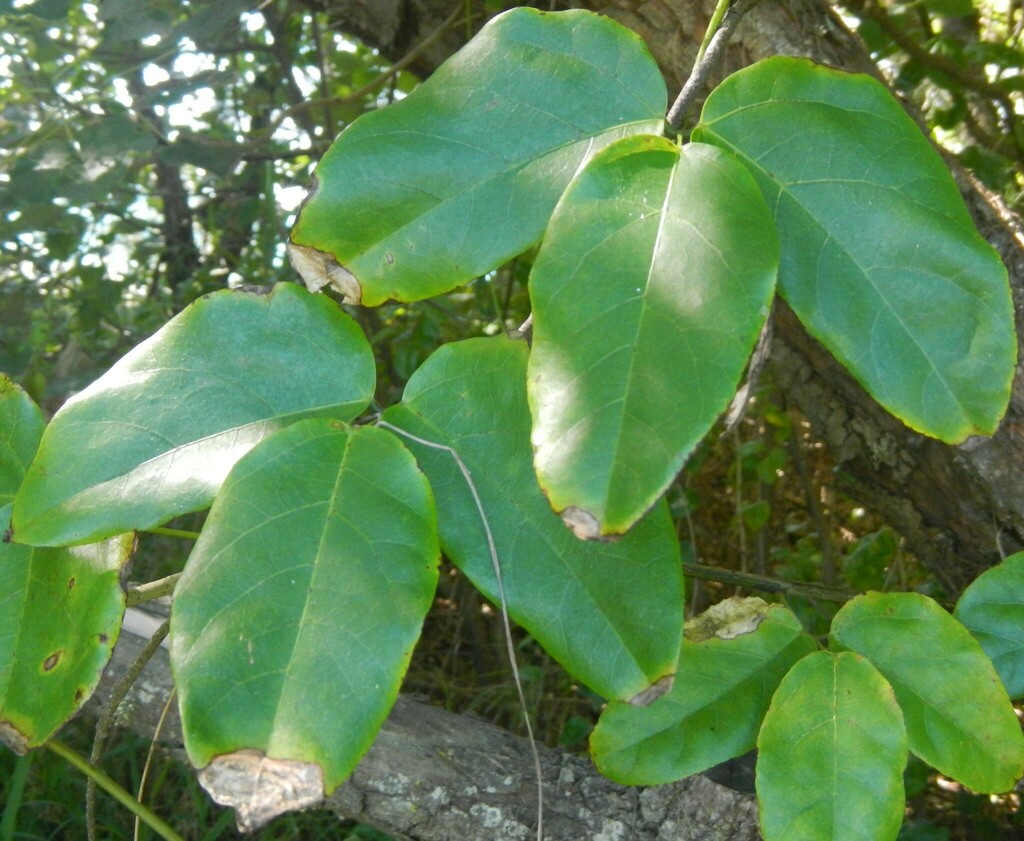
433	775
959	509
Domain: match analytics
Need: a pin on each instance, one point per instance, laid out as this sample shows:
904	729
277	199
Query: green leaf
880	259
653	282
21	426
831	754
610	613
864	567
155	436
714	709
958	716
60	615
300	605
462	174
992	609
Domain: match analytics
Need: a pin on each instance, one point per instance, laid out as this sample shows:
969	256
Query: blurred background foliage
155	150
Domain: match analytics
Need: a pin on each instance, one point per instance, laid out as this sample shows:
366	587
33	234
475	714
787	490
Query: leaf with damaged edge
831	754
155	436
60	609
880	258
958	716
300	605
610	613
992	609
713	711
654	279
463	173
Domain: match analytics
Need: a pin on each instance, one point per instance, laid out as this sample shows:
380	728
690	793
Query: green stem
114	790
713	24
188	535
15	790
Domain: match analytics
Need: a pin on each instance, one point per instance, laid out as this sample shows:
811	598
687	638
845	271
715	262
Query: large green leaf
610	613
992	609
713	711
958	716
155	436
462	174
60	615
880	258
650	289
300	605
831	754
21	426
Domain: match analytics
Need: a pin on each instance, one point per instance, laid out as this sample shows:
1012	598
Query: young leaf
992	609
60	615
650	289
298	610
714	709
155	436
21	426
958	716
463	173
609	613
831	754
880	259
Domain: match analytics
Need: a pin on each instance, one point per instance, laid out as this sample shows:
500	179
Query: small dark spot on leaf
50	662
8	535
71	583
103	639
79	694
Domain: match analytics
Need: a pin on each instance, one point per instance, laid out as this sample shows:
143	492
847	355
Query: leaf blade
831	754
441	166
649	291
610	613
880	259
156	435
299	607
958	716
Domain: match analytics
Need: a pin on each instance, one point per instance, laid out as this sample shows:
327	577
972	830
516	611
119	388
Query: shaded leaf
649	291
958	716
992	609
880	258
831	754
60	615
611	613
462	174
21	426
300	605
155	436
713	711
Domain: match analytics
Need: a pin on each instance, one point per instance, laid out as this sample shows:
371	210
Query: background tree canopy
152	151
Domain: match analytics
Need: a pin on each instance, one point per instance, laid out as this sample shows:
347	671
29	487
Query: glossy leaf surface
649	291
302	601
831	754
714	709
880	259
155	436
21	426
610	613
958	716
992	609
463	173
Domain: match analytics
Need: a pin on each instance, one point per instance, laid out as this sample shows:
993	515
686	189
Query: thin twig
142	593
149	758
708	63
106	720
503	604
